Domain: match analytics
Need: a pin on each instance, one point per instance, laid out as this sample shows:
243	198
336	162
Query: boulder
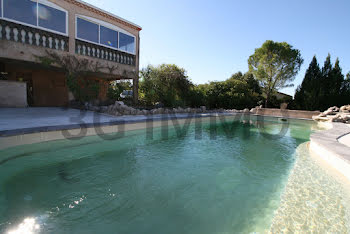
134	111
320	118
335	118
345	108
345	116
119	103
180	110
334	108
246	110
94	108
253	110
145	112
104	109
117	113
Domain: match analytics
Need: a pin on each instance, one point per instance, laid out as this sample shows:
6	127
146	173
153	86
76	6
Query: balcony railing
32	36
101	52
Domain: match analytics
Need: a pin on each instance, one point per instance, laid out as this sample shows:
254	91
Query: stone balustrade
11	31
101	52
32	36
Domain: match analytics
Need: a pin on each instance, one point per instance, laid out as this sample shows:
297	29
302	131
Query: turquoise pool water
228	180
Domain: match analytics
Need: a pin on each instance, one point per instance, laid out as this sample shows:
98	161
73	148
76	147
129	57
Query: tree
336	86
321	89
307	94
345	91
331	84
167	84
239	92
325	83
275	65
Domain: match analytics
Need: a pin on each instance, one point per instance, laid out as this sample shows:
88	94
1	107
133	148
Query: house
283	96
32	29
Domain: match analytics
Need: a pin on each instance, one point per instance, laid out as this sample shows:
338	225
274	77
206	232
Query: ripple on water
313	201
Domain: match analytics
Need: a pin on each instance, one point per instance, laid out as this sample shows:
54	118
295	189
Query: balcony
20	43
32	36
101	52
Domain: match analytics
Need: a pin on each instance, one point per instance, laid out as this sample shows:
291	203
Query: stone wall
13	94
286	113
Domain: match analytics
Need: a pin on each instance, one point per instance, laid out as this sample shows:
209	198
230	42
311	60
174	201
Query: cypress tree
307	94
345	90
336	86
326	82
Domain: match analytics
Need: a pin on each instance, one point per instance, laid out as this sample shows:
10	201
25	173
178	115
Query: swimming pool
223	177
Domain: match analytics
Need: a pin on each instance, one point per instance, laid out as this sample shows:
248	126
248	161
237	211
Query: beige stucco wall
13	94
29	53
74	10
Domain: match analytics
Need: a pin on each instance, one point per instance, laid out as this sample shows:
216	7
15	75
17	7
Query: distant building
28	28
283	96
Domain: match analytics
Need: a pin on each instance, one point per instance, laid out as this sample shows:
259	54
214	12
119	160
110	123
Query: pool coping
25	136
327	146
22	131
125	120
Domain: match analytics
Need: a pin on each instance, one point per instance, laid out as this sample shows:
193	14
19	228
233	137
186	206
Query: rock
94	108
117	113
345	117
134	111
334	108
139	112
246	110
203	108
253	110
119	103
329	112
319	118
180	110
103	109
335	118
159	105
157	111
345	108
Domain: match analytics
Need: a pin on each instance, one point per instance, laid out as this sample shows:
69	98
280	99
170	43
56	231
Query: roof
104	13
284	94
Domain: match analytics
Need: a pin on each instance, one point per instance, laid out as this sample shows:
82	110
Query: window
52	18
126	43
108	37
44	15
103	33
87	30
21	10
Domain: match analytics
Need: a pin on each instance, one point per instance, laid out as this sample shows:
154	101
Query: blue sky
214	39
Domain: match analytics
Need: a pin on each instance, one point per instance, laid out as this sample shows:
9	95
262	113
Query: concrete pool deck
333	146
21	126
17	121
